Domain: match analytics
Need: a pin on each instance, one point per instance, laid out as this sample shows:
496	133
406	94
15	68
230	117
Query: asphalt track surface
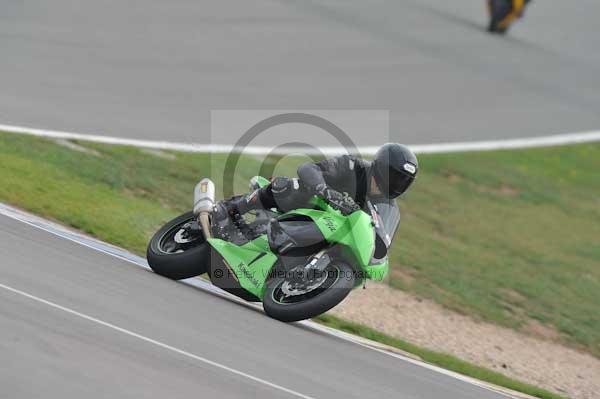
55	354
153	69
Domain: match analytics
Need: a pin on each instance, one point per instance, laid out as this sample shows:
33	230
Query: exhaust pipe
204	203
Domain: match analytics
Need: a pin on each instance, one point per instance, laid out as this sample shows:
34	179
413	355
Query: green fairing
262	182
250	262
378	272
354	231
253	261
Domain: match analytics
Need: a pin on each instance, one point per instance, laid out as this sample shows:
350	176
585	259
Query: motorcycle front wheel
177	252
282	303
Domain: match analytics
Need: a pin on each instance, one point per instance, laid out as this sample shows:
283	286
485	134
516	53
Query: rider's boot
243	204
236	207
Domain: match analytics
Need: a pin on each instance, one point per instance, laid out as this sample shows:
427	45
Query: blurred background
155	70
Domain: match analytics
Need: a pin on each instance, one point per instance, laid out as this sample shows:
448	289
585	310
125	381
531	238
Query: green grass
448	362
506	236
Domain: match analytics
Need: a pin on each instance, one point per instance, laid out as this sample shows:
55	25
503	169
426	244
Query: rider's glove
343	202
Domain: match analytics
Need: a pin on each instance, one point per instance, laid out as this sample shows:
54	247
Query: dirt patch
537	329
77	147
511	295
533	359
403	274
453	177
159	153
503	190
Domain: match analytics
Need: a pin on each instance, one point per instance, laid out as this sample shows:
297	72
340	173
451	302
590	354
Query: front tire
175	260
339	283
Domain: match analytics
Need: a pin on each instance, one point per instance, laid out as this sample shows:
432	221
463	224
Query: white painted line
154	342
95	244
529	142
545	141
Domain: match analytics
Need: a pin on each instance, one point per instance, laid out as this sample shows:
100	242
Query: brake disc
183	236
303	287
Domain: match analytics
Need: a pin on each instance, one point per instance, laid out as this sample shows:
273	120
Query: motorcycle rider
504	12
345	182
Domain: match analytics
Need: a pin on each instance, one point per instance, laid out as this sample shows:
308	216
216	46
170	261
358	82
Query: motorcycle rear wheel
338	284
187	258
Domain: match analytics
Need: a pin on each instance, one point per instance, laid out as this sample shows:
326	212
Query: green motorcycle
299	264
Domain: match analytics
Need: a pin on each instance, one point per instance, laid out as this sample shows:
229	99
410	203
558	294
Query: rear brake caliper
189	232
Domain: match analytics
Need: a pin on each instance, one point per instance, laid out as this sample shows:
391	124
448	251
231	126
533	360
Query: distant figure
503	13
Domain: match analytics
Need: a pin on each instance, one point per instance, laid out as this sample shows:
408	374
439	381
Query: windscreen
388	216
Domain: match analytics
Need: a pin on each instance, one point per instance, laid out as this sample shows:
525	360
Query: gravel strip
536	360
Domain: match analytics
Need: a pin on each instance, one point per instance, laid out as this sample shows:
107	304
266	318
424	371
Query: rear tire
339	286
191	261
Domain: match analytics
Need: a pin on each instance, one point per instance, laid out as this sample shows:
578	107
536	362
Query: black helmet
395	167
